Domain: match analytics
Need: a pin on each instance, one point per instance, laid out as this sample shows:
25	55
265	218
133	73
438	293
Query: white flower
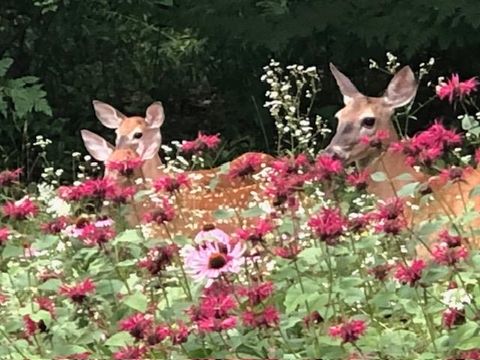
456	298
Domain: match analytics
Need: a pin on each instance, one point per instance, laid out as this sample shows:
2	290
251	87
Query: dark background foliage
203	60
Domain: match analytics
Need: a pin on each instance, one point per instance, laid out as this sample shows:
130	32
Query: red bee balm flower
326	167
452	317
443	254
328	224
269	317
358	179
257	293
8	177
164	213
125	167
453	88
171	183
247	165
78	292
349	331
410	274
92	235
55	226
130	353
136	325
201	143
20	210
158	258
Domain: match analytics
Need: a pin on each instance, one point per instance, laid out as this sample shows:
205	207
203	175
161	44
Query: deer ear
150	145
97	146
402	88
155	115
348	90
108	115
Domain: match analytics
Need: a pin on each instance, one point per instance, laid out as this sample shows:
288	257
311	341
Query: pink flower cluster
171	184
8	177
349	331
328	225
427	146
78	292
20	210
102	189
454	89
125	167
201	143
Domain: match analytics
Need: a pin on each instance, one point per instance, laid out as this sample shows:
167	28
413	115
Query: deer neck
152	168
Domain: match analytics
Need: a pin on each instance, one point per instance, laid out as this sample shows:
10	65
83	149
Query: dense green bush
203	58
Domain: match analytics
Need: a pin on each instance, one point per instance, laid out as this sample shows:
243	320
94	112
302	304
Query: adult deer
364	116
195	205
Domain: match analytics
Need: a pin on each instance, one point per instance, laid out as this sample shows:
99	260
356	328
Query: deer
364	116
201	200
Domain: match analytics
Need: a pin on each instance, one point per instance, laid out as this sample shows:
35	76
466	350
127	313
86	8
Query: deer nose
336	152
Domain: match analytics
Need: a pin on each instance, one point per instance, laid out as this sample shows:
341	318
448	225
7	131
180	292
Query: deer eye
368	122
137	135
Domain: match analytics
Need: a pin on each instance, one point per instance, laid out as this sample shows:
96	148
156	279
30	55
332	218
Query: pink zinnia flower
4	235
136	325
78	292
210	260
125	167
171	184
8	177
410	274
349	331
130	353
453	88
20	210
328	225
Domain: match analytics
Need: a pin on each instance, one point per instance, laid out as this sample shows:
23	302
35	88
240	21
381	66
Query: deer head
101	150
131	131
365	116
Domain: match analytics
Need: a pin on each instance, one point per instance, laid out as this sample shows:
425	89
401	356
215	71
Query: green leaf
12	251
469	344
50	284
379	176
311	255
128	236
5	64
408	189
468	122
221	214
65	350
137	301
252	212
42	315
46	242
404	177
121	338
